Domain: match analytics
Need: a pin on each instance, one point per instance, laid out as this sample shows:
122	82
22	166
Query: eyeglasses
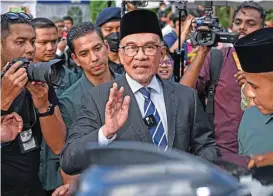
132	50
16	16
166	62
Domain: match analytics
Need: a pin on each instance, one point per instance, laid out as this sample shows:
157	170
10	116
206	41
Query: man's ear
121	55
163	52
75	59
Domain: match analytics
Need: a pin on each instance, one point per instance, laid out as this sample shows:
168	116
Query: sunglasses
16	16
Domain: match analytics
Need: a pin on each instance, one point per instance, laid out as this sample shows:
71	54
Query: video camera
212	34
48	72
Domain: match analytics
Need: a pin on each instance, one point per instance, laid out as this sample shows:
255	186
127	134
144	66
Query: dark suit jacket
188	126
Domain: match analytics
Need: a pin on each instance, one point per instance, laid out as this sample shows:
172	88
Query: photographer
35	102
248	17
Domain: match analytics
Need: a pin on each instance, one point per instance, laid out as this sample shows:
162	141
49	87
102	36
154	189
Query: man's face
68	24
165	69
246	21
18	43
46	44
91	53
60	27
141	67
110	27
262	89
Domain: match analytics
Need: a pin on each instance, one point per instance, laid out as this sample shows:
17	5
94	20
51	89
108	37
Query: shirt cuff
102	140
59	52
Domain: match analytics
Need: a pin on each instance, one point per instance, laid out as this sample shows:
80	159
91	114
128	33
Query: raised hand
11	126
116	111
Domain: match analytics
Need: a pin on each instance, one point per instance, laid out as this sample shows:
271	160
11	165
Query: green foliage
269	15
224	15
96	7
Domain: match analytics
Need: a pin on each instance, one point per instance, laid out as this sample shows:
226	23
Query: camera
212	34
48	72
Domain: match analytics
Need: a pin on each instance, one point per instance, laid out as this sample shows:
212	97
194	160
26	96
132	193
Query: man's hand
186	28
64	190
240	77
61	45
261	160
13	83
39	92
11	126
116	111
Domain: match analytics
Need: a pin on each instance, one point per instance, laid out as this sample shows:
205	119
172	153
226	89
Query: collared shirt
157	98
227	103
69	78
255	132
70	100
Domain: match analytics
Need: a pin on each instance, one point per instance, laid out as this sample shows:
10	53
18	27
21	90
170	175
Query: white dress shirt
157	98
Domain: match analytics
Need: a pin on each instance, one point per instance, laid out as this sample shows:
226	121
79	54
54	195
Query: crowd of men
118	85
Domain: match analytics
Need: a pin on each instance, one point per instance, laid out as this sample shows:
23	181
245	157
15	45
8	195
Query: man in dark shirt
89	51
34	102
248	17
109	22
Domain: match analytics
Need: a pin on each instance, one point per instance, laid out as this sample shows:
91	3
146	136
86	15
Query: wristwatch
49	112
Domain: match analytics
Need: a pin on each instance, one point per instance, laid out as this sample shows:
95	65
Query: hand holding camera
39	92
13	81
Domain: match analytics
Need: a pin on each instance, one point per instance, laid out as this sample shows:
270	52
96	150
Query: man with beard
255	55
248	17
109	22
144	108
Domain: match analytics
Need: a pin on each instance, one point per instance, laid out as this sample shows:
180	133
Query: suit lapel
134	116
171	104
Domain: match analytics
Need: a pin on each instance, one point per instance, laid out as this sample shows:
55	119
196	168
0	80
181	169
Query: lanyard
237	62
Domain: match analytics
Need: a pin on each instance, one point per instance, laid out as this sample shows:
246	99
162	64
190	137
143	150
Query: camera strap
216	64
23	105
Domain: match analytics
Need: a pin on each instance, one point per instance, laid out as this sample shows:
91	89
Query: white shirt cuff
102	140
59	52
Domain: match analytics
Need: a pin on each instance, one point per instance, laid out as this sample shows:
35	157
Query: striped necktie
157	131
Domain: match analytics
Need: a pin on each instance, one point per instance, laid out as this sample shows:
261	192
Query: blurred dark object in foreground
129	168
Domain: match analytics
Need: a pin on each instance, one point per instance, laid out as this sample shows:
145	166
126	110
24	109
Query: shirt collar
135	86
268	118
86	84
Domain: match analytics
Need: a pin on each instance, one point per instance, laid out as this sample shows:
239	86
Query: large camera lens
49	72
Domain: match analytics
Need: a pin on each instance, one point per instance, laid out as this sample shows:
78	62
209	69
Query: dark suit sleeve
85	129
202	137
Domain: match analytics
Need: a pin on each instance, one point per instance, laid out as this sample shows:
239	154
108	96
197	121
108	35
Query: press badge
27	141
